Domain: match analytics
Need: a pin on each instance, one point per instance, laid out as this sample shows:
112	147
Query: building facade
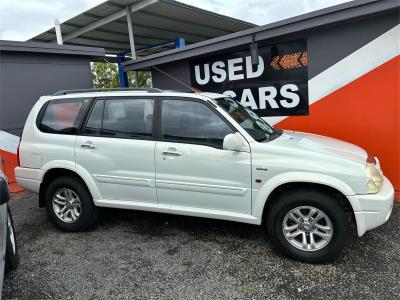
28	71
334	72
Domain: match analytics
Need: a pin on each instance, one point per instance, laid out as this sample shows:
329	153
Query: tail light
2	163
371	160
18	160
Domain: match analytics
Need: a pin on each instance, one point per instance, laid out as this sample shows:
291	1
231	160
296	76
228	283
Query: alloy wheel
66	205
307	228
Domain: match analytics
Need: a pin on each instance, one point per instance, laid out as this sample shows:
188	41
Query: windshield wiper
276	133
262	139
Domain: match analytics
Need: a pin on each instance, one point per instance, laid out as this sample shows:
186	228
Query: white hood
322	145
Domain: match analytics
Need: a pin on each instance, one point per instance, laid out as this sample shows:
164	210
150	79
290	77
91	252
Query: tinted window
93	125
192	122
257	127
63	116
128	117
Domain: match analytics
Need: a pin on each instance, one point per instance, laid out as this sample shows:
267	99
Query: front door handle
88	146
171	152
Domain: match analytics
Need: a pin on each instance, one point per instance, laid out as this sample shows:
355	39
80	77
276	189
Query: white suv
201	155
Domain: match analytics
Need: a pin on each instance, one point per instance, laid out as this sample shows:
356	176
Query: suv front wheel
308	225
70	205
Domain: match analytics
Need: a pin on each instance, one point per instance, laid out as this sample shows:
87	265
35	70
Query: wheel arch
57	172
338	195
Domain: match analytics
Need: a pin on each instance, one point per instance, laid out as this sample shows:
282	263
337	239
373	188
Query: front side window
259	129
127	118
192	122
63	116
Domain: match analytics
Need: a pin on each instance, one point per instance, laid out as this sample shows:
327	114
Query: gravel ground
137	255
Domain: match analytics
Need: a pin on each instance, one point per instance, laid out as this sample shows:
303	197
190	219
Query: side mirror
235	142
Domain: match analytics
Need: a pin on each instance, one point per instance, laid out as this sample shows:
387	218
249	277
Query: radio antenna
194	90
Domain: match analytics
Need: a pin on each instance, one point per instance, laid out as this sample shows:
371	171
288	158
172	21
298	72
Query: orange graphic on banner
290	61
275	63
304	59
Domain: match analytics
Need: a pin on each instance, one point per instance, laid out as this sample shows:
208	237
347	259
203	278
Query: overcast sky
23	19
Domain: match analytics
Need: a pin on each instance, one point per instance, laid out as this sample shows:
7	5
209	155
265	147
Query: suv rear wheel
70	205
308	225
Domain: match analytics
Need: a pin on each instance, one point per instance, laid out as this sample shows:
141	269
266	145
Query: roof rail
178	91
66	92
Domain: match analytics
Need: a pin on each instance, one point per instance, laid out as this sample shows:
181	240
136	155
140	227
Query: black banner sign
276	85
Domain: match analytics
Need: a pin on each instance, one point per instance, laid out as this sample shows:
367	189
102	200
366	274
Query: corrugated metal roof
14	46
157	23
309	21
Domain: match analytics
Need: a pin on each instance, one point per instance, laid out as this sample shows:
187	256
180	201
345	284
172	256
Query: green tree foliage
105	75
144	79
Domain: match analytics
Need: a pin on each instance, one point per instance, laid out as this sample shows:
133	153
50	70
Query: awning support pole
123	76
57	28
131	40
130	30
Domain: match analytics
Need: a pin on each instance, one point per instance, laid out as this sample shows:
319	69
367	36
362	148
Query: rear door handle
88	146
171	152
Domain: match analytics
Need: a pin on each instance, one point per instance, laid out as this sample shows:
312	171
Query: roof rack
66	92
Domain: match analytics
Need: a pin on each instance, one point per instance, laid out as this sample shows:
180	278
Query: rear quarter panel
38	148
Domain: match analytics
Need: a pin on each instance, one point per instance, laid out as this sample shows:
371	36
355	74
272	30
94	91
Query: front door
117	149
192	169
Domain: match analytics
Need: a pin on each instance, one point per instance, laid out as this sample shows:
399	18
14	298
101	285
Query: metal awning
156	25
310	21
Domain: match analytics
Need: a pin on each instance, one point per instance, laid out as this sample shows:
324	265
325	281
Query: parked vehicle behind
8	244
201	155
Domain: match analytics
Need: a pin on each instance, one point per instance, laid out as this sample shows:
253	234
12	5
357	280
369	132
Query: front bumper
373	210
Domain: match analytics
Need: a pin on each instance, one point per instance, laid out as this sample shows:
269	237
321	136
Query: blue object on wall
180	42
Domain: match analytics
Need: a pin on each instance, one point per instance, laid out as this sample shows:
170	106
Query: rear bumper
373	210
29	179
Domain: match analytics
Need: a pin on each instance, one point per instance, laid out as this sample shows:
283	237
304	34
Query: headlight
374	178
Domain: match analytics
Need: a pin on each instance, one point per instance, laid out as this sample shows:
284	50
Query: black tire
322	201
88	211
12	257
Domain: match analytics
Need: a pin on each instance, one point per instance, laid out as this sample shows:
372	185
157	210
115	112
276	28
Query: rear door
193	171
117	148
58	121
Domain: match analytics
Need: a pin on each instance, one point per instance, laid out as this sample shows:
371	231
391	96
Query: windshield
259	129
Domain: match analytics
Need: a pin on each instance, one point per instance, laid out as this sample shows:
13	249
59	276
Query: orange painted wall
10	162
366	112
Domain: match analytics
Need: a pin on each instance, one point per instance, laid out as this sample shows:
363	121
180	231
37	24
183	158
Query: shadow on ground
132	254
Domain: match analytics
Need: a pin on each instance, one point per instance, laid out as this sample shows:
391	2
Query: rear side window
93	126
124	118
63	116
